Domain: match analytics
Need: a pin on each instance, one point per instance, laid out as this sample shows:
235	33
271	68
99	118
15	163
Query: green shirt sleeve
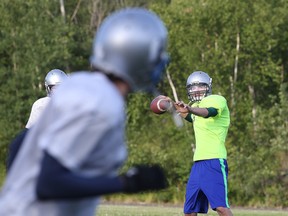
189	117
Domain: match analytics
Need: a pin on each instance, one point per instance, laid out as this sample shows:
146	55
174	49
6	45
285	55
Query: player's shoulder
85	80
41	101
216	98
77	74
90	89
214	101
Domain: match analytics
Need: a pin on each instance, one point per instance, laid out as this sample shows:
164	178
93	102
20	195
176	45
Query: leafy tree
241	44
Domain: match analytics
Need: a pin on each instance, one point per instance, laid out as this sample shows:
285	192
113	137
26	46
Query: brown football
160	104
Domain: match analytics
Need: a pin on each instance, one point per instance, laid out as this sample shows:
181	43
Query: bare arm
185	109
203	112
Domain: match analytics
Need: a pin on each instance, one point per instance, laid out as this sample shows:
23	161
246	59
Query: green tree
241	44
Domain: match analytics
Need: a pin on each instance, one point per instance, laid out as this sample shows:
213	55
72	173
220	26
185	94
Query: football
160	104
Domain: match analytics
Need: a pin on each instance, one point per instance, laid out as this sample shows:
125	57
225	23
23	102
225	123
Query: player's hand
144	178
181	107
170	101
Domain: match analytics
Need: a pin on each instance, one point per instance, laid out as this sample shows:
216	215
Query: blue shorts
207	184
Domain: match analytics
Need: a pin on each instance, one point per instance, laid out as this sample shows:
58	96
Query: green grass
158	210
164	210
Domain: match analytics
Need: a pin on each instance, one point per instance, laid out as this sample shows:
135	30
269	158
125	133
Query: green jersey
210	133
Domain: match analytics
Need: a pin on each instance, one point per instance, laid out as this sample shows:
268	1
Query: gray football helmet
199	85
131	45
53	78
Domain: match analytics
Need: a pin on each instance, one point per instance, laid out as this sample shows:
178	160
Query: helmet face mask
131	45
54	78
199	85
196	92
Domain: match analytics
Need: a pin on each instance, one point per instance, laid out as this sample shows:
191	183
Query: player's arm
57	182
203	112
185	111
14	147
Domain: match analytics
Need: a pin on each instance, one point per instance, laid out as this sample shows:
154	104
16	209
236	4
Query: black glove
144	178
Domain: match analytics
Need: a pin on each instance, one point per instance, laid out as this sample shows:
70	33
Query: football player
73	153
52	80
208	181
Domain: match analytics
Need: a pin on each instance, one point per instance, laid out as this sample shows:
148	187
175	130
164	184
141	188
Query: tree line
242	45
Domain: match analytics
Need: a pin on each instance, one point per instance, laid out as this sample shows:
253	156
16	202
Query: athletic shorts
207	184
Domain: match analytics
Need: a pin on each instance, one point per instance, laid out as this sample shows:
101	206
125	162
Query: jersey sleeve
14	147
36	111
216	101
189	117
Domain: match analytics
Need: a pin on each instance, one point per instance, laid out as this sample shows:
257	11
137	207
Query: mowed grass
147	210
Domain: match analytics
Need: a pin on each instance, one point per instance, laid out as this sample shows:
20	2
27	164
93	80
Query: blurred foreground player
53	78
73	153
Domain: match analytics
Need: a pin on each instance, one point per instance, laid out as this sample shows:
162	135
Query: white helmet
54	77
196	80
131	45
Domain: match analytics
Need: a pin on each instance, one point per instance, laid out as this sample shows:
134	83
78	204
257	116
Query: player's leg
192	214
195	199
197	203
215	186
223	211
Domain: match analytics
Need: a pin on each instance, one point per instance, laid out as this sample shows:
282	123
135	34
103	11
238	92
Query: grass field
146	210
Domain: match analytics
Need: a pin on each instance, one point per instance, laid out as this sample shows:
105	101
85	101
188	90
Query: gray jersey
83	128
37	109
